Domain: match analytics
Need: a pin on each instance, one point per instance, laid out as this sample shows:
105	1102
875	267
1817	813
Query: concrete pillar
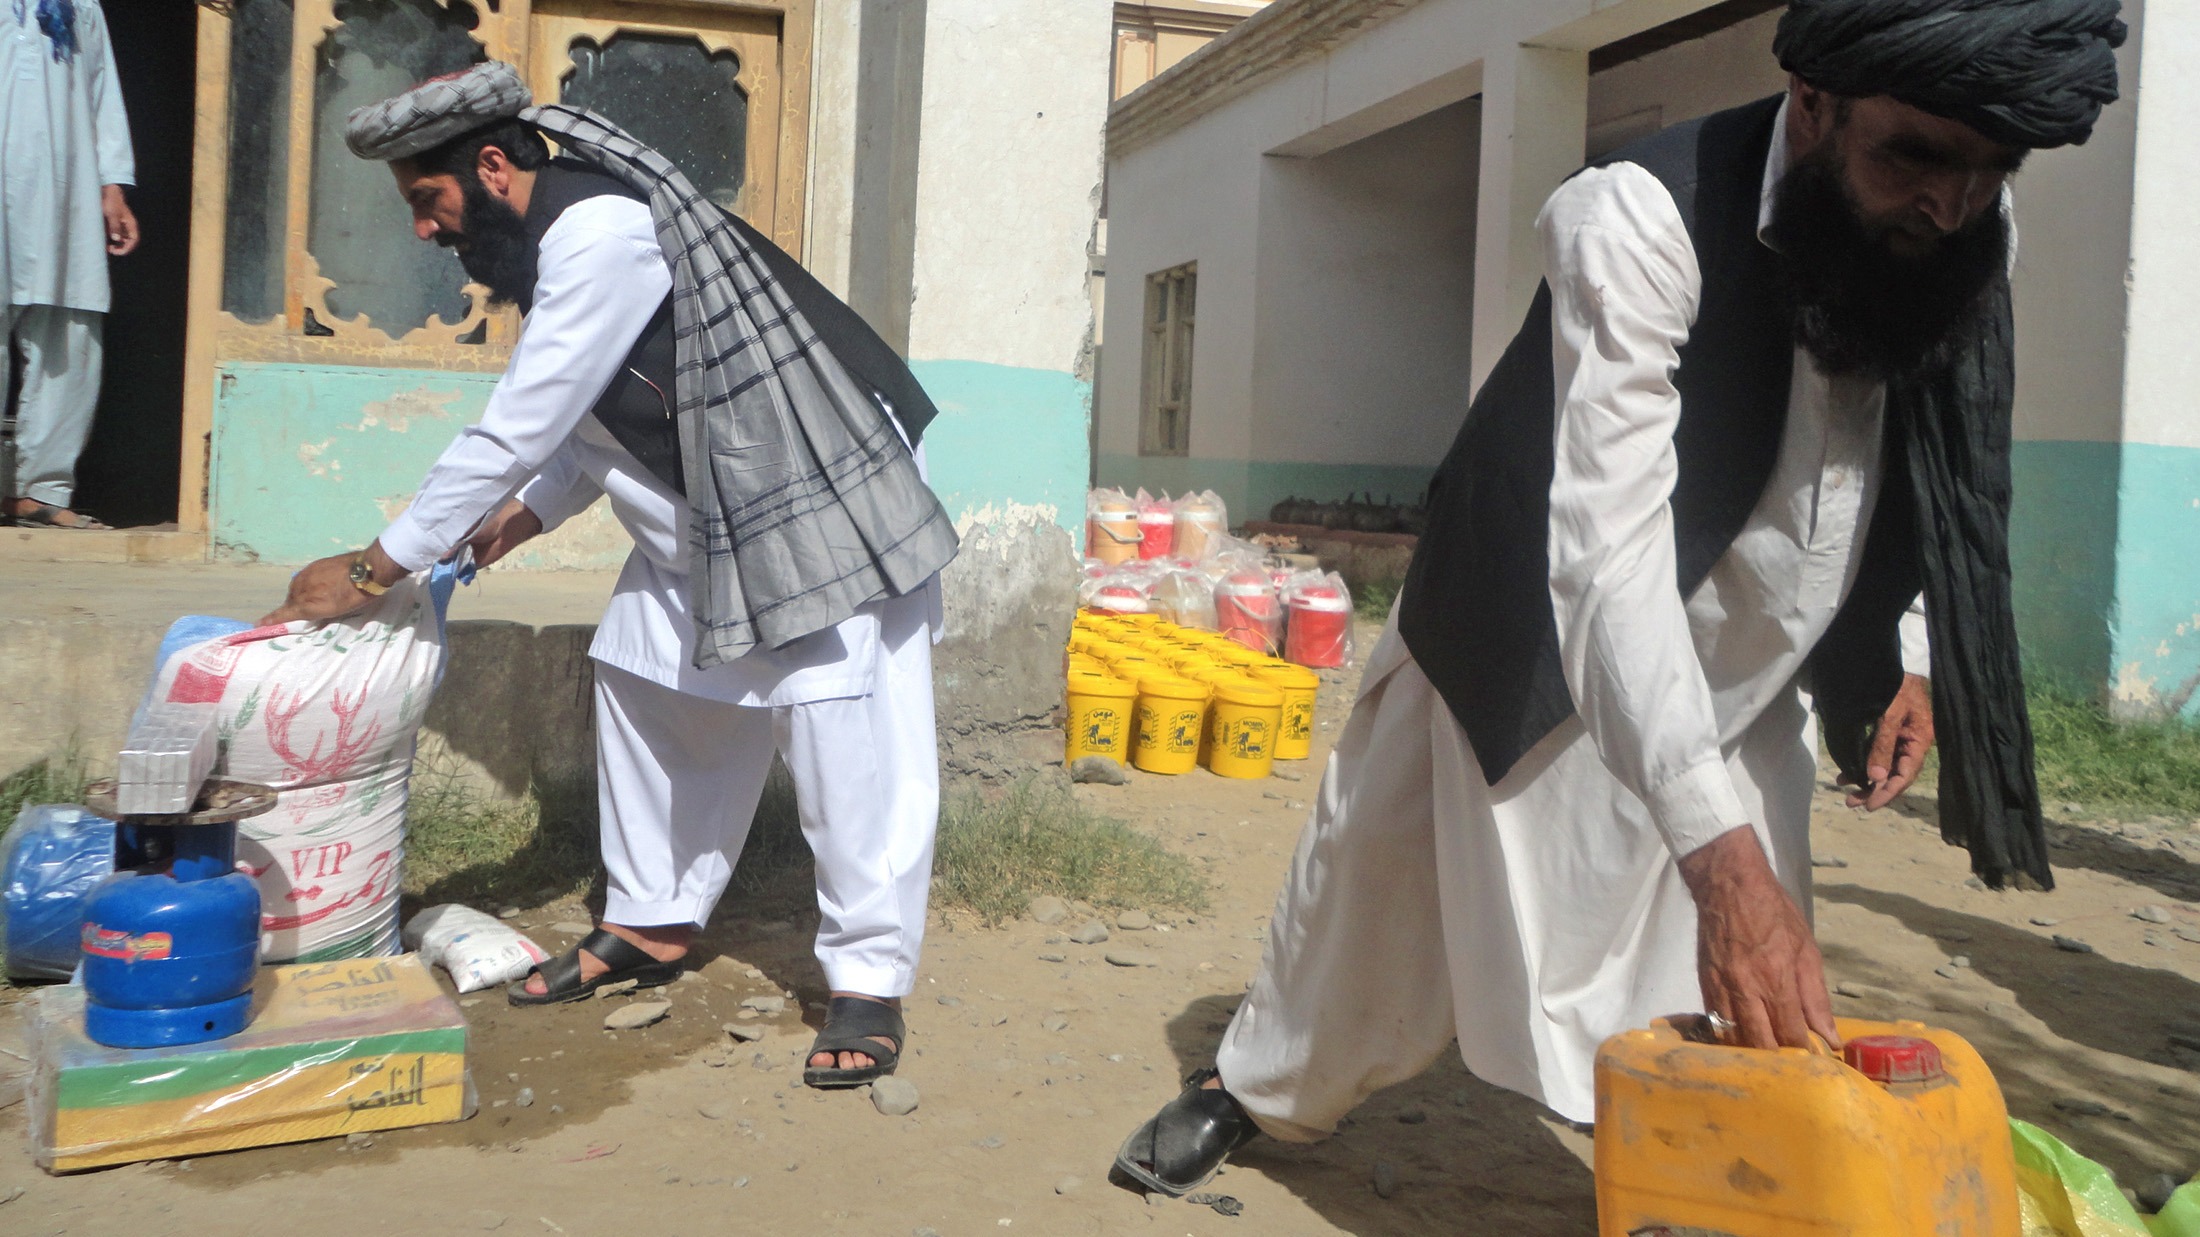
2155	652
883	208
1535	112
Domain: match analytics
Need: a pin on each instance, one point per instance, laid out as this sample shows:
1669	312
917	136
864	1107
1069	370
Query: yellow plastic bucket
1172	715
1081	663
1191	664
1129	666
1248	717
1295	741
1100	710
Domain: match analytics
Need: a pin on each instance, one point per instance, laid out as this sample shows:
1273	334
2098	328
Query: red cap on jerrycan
1893	1059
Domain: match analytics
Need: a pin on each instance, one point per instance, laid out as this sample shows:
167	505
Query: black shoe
1180	1149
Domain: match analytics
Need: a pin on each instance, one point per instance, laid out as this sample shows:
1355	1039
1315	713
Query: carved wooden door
702	85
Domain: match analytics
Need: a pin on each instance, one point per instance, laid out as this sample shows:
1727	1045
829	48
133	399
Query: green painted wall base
1007	435
2105	547
1251	487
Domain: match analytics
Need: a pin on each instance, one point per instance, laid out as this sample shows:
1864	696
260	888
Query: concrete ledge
517	696
59	545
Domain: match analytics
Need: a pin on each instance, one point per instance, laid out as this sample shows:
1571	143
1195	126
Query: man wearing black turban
1757	420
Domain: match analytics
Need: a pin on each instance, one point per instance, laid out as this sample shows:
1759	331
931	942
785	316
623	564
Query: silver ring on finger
1720	1024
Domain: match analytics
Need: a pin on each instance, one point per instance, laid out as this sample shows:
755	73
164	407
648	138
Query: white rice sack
478	950
326	715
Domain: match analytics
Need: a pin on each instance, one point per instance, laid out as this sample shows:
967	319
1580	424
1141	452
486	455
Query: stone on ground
1124	957
765	1004
894	1096
2151	914
1134	921
1048	909
746	1032
636	1016
1099	770
1091	932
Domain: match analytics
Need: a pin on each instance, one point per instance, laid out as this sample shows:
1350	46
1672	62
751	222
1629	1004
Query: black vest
1476	607
637	407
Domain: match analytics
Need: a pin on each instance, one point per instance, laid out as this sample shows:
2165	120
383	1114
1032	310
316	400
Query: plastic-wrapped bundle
1201	523
1111	527
1156	526
1317	620
1126	590
49	861
1248	610
1185	598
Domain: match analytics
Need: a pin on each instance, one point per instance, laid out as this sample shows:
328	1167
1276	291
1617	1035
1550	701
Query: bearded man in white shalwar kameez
1748	452
64	159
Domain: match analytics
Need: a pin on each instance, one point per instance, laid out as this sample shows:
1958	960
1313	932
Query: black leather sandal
561	976
851	1023
1187	1141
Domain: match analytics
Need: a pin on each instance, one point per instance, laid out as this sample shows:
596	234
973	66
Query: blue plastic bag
49	861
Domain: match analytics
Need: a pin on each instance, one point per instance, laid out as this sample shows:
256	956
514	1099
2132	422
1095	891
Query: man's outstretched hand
1905	734
1755	955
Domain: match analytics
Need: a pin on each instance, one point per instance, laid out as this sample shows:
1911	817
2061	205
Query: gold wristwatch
362	576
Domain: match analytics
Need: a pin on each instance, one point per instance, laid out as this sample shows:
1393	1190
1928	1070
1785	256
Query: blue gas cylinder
169	956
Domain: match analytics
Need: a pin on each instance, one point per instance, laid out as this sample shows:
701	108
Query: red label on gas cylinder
109	943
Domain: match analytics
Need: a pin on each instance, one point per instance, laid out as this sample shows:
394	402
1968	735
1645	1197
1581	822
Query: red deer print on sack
313	766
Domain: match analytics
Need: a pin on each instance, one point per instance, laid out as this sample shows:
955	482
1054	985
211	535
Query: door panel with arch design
702	86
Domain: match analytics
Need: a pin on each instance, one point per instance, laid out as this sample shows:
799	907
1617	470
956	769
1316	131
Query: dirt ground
1035	1057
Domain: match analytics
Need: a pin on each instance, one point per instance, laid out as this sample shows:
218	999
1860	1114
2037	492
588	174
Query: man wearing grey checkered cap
663	336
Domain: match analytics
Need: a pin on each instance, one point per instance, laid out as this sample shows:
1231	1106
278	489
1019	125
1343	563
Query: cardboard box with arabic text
334	1048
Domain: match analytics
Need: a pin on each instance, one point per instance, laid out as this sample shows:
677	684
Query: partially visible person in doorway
65	158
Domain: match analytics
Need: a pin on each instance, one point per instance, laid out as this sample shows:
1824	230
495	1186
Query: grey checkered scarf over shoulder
804	502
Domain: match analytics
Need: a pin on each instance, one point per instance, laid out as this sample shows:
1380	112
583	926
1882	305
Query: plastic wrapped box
334	1048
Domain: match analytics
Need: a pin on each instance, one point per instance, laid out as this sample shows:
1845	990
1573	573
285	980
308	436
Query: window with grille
1165	420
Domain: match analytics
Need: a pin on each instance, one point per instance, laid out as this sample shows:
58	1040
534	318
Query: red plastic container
1319	627
1119	599
1248	611
1157	532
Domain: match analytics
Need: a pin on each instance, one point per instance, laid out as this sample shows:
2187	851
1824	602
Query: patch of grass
2086	758
462	845
997	852
56	779
1374	599
485	851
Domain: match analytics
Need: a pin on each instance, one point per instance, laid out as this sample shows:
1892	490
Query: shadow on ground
2105	1040
2155	864
1467	1157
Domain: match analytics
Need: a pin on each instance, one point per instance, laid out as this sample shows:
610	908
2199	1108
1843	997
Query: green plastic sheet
2063	1194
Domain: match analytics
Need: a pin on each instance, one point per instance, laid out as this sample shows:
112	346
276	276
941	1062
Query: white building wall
1212	180
1364	297
2155	133
1727	69
1008	181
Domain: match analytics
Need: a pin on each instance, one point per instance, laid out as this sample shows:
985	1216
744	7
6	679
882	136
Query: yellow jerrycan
1903	1135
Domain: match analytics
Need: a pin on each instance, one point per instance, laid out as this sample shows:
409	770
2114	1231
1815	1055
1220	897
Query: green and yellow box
334	1048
